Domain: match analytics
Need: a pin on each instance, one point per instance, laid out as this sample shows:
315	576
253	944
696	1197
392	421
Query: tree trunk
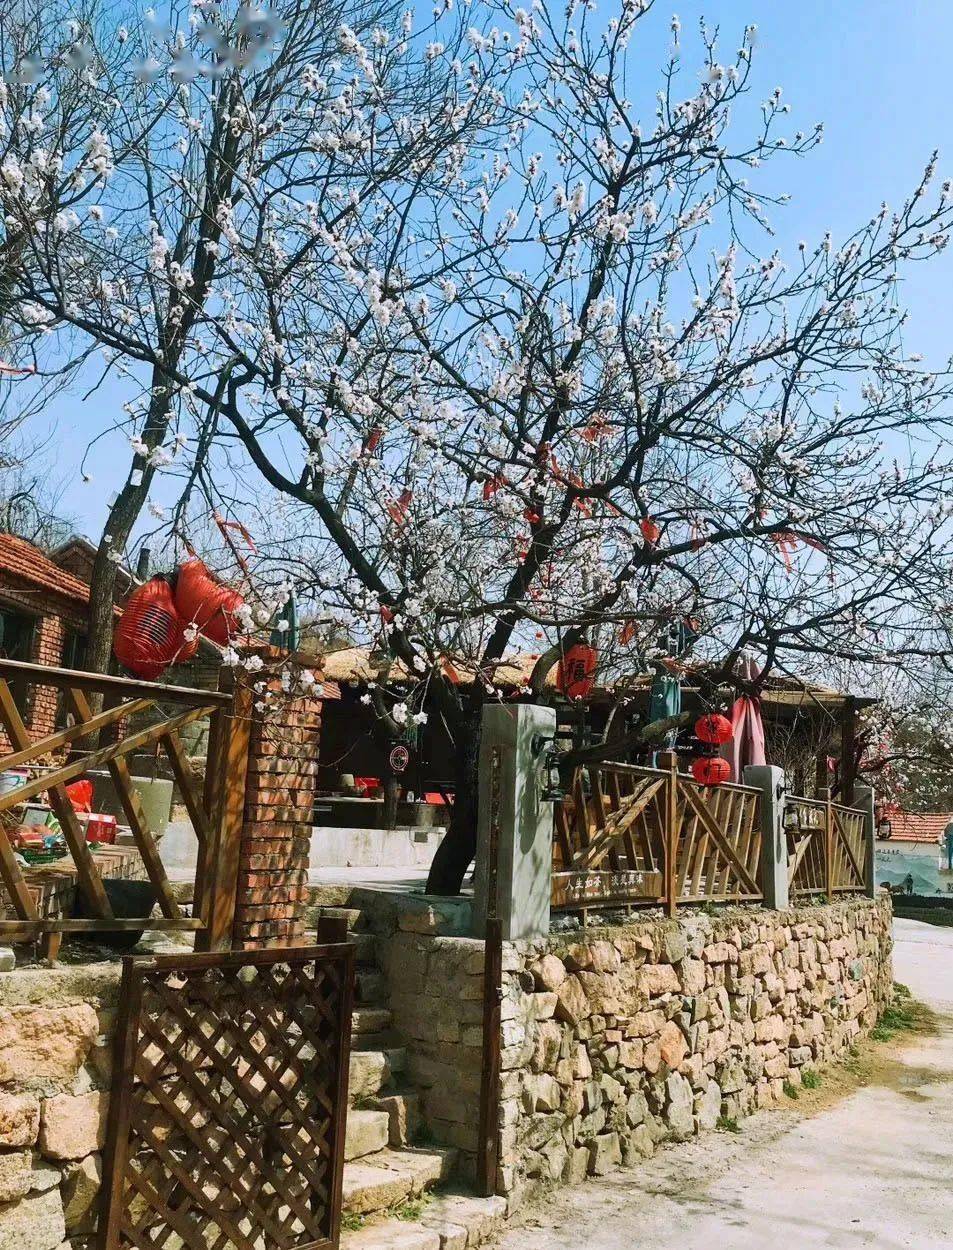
455	853
391	800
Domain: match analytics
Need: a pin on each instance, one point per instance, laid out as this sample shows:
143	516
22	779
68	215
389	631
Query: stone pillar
276	831
864	799
524	821
774	844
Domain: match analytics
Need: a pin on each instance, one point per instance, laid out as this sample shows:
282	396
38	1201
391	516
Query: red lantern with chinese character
577	671
711	770
714	729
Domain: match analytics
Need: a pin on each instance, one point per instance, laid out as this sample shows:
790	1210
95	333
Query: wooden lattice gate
229	1102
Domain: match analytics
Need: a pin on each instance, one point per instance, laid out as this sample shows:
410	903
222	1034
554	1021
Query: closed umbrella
746	745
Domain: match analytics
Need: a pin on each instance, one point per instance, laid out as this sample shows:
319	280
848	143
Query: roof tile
20	559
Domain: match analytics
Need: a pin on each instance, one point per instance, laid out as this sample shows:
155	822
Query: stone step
370	988
450	1222
365	947
392	1177
403	1113
370	1020
372	1071
367	1132
351	914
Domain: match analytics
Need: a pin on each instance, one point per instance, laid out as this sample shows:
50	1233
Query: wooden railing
215	809
630	835
827	847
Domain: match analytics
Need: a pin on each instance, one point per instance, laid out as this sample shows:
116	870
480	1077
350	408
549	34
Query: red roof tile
916	826
26	563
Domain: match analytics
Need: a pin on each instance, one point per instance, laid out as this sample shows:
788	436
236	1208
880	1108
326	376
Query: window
74	656
16	643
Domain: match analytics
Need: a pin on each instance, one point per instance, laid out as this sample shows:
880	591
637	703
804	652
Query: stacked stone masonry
619	1039
279	802
55	1057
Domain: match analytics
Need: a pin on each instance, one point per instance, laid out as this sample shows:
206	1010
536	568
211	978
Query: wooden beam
27	929
101	683
88	878
92	724
132	806
67	772
222	859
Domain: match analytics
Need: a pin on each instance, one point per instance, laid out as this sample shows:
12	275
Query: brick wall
51	624
276	836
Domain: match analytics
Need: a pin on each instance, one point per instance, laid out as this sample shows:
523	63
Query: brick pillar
276	834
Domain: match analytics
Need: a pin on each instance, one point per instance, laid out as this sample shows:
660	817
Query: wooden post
828	846
848	751
220	872
669	760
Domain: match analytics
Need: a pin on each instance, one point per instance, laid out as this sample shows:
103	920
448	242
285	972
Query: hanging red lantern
711	770
577	671
650	531
203	601
150	634
714	729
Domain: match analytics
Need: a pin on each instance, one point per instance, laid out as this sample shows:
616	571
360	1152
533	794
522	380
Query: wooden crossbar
95	759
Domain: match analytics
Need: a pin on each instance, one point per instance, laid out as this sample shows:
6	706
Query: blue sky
877	73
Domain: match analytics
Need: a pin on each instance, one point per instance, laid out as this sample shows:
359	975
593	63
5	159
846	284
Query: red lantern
714	728
150	634
201	600
650	531
711	770
577	671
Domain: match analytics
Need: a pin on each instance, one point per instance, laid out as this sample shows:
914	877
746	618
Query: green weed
810	1079
791	1091
727	1124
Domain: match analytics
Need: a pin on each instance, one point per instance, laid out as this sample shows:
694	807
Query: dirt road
872	1169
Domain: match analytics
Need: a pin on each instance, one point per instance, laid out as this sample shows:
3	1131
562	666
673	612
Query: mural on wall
927	865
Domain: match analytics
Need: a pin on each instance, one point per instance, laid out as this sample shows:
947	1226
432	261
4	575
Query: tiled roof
26	563
916	826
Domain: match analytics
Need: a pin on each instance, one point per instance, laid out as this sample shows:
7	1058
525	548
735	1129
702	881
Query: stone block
34	1222
708	1106
605	1154
45	1042
15	1175
680	1108
572	1005
80	1189
19	1119
549	972
72	1127
672	1045
655	979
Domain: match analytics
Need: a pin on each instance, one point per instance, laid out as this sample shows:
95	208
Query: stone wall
434	977
615	1040
55	1057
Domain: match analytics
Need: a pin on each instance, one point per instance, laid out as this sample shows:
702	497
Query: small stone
603	957
81	1183
719	953
8	960
577	1166
19	1119
72	1127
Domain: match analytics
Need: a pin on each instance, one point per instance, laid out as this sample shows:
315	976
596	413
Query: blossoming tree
509	344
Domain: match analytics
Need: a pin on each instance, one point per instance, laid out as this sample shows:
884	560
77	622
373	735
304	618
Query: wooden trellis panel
827	848
632	835
229	1102
125	699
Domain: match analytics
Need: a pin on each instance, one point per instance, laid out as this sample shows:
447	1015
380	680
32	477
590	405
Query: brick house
44	612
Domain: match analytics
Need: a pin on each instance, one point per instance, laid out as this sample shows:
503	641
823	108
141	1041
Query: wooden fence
827	848
214	809
629	835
